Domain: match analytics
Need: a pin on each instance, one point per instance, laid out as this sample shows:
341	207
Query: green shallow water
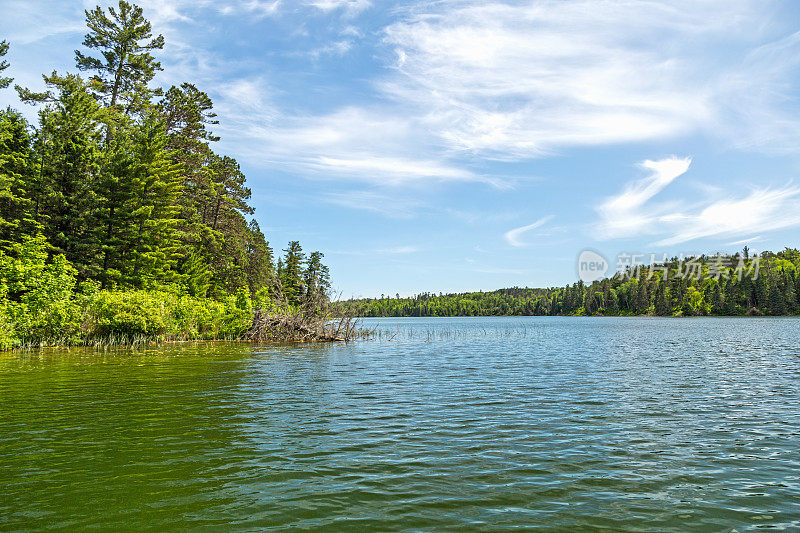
460	424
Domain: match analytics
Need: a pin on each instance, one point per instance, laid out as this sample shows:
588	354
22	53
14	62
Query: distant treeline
116	189
765	284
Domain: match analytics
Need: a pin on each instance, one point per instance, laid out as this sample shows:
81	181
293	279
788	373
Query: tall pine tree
125	66
4	82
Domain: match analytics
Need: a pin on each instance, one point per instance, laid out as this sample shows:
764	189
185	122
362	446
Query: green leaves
4	82
16	179
124	39
38	295
126	196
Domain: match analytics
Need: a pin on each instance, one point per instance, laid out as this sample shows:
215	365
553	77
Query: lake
452	424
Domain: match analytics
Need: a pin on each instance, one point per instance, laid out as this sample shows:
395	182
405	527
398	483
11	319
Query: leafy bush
6	329
238	315
37	296
166	313
127	314
39	304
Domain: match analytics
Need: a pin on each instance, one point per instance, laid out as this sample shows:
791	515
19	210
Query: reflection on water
459	424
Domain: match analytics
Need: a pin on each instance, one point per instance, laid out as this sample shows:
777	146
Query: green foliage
4	82
291	272
773	292
127	314
67	152
316	277
125	41
16	178
38	294
693	303
123	197
165	314
147	237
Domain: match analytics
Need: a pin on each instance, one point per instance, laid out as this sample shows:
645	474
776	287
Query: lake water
451	424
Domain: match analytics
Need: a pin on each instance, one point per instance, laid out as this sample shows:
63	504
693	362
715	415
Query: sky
446	146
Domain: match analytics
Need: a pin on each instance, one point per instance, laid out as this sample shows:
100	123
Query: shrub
127	314
37	296
39	304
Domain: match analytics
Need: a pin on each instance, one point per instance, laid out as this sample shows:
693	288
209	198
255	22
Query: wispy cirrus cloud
376	202
636	212
457	83
514	236
519	81
625	214
333	146
399	250
25	22
522	80
349	6
762	210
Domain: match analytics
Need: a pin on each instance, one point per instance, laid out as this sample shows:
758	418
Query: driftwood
300	327
309	321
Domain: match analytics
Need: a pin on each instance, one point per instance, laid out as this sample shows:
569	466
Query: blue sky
465	145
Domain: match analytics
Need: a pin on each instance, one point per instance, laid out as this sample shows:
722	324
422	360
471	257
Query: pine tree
714	297
660	300
152	206
776	298
124	39
760	293
790	296
317	279
195	274
797	288
259	259
139	187
16	176
291	273
642	297
115	189
4	82
187	113
69	155
729	306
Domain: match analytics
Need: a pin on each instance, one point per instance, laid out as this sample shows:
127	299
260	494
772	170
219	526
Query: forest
118	220
763	284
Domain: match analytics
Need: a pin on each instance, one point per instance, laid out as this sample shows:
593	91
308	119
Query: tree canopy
118	184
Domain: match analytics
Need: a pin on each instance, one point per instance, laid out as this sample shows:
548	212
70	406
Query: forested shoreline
118	221
767	284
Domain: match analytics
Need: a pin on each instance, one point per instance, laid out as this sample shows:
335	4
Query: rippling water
442	424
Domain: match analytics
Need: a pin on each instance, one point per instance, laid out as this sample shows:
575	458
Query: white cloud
521	80
389	206
244	104
392	170
631	213
352	143
399	250
498	80
760	104
159	12
624	215
746	241
513	236
760	211
336	48
515	81
264	8
24	22
349	6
